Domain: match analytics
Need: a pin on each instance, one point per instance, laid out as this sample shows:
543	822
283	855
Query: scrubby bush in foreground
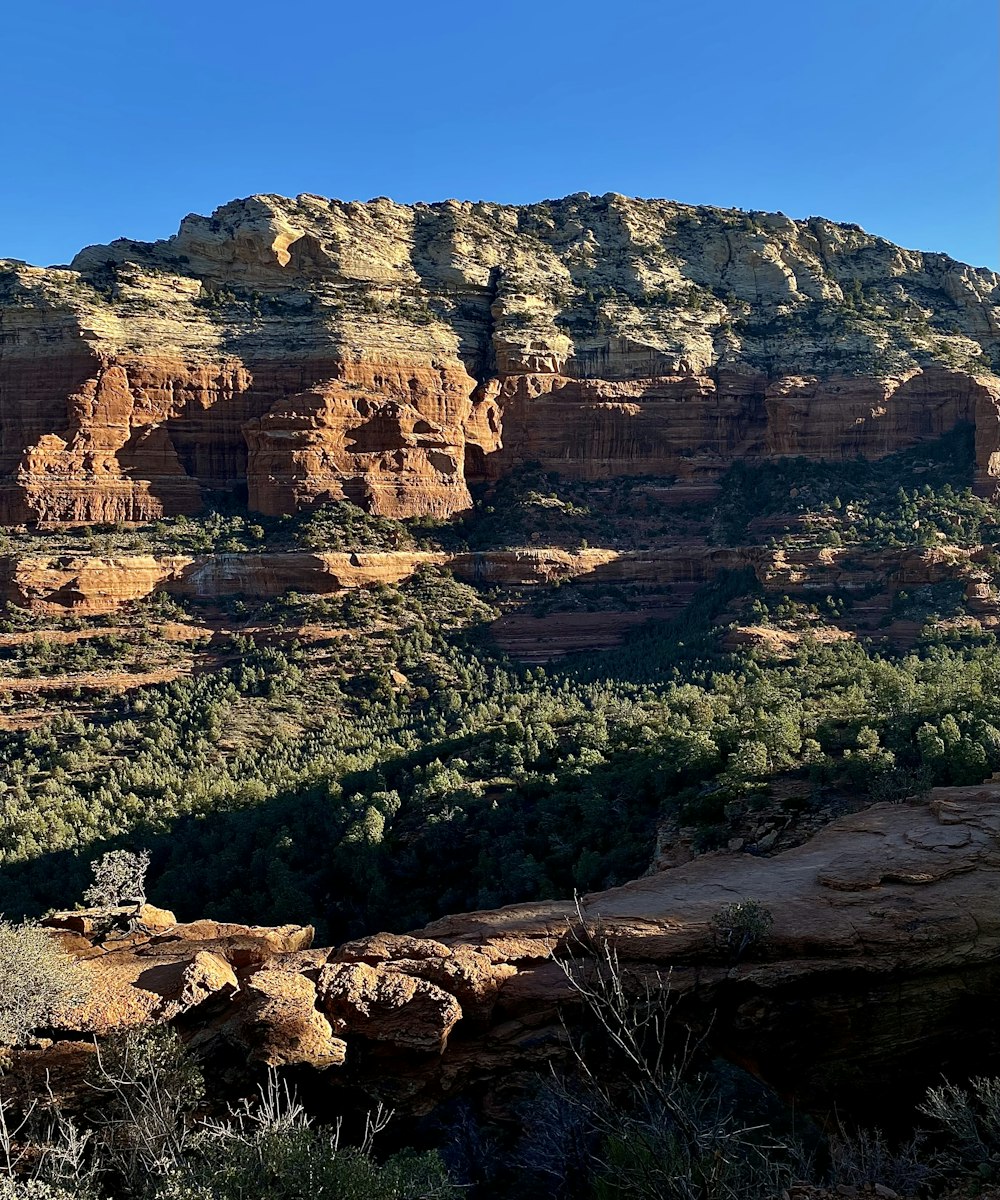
36	976
146	1135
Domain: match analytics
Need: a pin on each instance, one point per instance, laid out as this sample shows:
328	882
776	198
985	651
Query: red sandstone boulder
280	1025
206	975
387	1005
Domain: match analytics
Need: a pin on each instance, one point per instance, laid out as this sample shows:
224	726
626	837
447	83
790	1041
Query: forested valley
372	760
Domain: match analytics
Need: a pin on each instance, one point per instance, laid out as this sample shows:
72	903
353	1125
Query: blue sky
123	115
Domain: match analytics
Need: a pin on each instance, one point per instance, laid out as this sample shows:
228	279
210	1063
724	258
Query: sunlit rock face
296	351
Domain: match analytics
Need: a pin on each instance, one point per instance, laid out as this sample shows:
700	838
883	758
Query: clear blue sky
123	115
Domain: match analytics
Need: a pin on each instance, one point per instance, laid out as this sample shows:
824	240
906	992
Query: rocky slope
885	945
294	351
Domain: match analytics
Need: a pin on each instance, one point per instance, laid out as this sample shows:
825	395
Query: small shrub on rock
741	925
119	879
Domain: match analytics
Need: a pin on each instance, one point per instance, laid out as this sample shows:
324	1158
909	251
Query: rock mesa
294	351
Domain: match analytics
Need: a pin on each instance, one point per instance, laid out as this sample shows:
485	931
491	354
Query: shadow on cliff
199	449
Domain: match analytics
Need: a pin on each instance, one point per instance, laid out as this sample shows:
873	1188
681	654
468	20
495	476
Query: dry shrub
37	976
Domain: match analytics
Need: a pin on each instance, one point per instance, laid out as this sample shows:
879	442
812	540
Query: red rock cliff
302	350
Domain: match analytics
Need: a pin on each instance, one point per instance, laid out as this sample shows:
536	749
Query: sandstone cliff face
307	349
87	585
884	951
388	436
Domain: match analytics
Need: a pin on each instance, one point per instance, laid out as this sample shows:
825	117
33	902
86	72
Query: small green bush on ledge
740	926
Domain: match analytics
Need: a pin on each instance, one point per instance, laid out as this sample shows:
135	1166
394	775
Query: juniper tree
119	879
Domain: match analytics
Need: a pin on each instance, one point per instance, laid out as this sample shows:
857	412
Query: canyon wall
296	351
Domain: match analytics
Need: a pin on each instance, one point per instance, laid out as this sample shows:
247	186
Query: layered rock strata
884	956
83	585
296	351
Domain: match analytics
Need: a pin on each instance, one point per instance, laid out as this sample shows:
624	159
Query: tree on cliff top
119	879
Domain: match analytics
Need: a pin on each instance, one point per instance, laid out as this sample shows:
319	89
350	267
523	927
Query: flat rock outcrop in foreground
884	957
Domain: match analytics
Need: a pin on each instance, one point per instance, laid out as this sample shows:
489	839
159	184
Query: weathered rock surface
387	1004
206	975
86	584
884	956
299	350
280	1024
